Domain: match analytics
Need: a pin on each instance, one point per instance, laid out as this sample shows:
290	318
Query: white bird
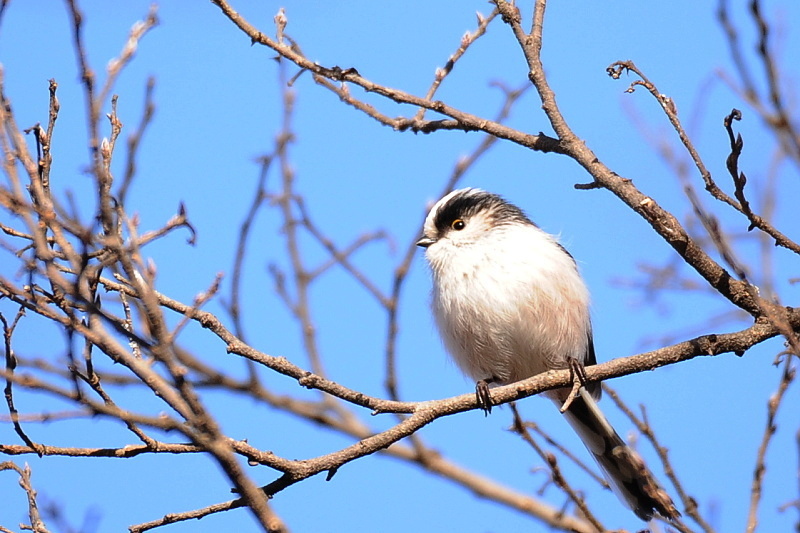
510	303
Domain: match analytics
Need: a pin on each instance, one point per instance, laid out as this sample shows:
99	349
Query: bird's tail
627	473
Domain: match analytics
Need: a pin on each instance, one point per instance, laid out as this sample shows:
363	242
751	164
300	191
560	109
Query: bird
510	303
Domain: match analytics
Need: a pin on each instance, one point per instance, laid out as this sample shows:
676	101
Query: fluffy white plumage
506	311
510	303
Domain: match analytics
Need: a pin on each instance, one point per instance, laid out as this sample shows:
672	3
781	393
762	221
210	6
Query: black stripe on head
470	202
567	252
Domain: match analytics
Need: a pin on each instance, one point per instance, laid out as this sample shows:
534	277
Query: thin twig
519	427
117	65
739	180
775	401
37	525
259	197
11	364
461	120
690	507
443	72
135	140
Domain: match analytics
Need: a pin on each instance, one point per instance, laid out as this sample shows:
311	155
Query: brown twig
533	426
519	427
690	507
443	72
616	69
781	120
117	65
669	277
461	120
299	302
199	301
736	52
36	525
772	109
739	181
259	197
135	140
77	293
775	401
341	257
11	364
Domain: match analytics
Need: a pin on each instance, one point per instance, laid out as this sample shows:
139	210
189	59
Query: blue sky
218	109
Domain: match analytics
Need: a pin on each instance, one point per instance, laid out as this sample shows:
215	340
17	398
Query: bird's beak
425	241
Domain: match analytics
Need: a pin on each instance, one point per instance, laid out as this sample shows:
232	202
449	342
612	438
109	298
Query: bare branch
135	139
11	364
664	223
787	376
37	525
643	426
739	181
464	121
443	72
519	427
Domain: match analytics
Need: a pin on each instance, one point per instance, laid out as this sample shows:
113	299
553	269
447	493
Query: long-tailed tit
510	303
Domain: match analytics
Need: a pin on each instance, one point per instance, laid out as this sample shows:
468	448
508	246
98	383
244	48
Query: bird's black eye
458	224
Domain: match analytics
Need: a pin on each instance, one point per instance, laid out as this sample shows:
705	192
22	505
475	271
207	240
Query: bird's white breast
510	304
